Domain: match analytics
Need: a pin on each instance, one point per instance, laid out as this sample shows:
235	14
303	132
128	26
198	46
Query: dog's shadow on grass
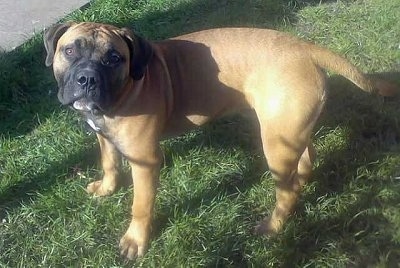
26	190
27	90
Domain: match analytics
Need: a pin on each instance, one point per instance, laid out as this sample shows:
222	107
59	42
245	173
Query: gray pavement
20	19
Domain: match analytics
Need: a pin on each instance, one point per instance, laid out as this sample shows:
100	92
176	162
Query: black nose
87	80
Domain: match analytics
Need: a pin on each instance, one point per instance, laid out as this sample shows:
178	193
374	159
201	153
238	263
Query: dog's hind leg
290	155
305	165
290	168
288	100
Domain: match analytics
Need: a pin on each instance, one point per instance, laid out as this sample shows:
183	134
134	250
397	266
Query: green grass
214	185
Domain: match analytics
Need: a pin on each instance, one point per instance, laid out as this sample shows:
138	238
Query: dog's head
93	62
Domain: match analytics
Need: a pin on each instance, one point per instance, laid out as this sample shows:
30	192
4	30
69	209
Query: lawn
214	183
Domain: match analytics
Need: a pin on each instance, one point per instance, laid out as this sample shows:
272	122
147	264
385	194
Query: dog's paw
267	227
98	188
130	248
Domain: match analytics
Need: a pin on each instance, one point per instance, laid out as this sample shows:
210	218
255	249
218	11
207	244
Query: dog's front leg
110	162
145	173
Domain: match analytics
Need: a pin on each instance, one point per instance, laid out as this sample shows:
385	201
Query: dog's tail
329	60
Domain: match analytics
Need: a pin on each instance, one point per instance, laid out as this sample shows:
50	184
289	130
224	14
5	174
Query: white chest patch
92	125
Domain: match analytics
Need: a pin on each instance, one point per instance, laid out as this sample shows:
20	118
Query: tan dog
134	93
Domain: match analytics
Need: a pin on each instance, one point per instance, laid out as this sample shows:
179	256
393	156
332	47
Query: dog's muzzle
84	88
87	81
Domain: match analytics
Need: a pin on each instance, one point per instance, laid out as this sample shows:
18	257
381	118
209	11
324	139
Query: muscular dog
134	93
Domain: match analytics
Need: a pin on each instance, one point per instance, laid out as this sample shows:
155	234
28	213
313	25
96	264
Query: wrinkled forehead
94	37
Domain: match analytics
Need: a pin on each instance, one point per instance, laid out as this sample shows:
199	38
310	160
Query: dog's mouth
84	105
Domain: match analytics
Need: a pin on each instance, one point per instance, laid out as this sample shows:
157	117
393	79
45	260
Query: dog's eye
69	51
113	59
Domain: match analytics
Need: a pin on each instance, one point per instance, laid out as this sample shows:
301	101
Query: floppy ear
50	39
140	53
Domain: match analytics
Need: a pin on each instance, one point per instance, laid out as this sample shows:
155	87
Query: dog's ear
50	39
140	53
